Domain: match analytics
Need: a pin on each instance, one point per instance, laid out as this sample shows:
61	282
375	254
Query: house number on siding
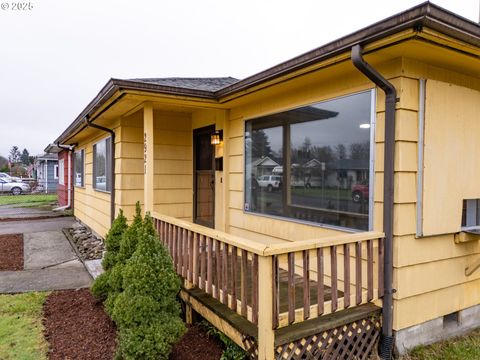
144	153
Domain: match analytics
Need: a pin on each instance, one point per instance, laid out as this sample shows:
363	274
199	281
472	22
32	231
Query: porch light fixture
217	137
365	126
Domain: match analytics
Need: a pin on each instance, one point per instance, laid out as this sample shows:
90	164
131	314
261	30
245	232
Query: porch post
148	156
266	336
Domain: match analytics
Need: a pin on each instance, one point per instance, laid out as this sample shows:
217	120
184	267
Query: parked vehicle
14	187
270	182
360	193
7	177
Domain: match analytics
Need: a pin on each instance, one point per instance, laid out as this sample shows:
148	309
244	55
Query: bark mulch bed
196	344
77	327
11	252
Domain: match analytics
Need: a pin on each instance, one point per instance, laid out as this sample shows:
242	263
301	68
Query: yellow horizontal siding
409	250
428	306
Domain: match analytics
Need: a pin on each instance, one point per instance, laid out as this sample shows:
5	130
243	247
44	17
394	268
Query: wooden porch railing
222	265
317	277
292	282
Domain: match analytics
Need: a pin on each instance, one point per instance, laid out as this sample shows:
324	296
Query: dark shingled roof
208	84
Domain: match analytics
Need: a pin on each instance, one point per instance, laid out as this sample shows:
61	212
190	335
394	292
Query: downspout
112	167
387	339
69	148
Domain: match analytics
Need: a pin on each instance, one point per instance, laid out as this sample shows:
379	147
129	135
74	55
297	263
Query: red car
360	193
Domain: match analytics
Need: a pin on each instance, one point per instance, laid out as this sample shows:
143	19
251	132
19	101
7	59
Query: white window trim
55	172
82	185
107	159
61	172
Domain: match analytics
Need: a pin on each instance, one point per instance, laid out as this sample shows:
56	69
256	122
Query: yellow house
315	207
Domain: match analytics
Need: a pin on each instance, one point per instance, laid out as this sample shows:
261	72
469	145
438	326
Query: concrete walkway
49	261
18	212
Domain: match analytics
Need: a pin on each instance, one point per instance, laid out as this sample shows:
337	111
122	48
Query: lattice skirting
355	340
250	345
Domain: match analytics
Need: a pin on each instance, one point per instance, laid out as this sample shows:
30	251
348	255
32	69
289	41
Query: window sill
466	236
308	223
102	191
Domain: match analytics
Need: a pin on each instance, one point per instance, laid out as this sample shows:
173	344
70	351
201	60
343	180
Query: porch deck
272	287
299	286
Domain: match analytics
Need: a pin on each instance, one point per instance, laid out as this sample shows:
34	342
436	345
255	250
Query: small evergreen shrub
127	246
128	243
146	312
113	240
150	342
101	287
140	287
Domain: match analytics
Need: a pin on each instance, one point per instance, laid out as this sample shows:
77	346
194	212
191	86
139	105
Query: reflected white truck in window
270	182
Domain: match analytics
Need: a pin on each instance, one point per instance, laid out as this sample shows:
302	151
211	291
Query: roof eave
423	15
114	85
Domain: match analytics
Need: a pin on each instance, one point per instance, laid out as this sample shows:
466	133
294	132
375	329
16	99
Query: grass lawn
31	200
462	348
21	327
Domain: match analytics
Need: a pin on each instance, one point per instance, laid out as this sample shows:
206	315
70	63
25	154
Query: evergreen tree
14	156
25	157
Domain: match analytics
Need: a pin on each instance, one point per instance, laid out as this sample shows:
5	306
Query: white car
270	182
14	187
7	177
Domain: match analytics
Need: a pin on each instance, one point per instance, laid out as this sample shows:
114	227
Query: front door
204	177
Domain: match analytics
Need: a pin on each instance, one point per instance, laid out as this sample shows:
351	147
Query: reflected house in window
345	173
263	166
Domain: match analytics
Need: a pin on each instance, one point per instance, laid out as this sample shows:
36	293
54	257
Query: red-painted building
64	174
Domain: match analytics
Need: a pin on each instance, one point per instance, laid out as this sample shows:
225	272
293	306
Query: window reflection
322	173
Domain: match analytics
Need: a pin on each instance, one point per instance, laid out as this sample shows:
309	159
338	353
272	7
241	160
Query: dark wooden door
204	177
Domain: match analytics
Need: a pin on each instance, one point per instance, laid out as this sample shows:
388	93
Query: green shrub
121	242
140	287
150	271
232	351
150	341
147	313
128	243
101	287
113	240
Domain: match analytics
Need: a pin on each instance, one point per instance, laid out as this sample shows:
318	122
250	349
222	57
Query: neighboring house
268	272
46	172
263	166
65	174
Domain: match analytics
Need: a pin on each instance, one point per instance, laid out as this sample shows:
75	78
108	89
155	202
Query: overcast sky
55	57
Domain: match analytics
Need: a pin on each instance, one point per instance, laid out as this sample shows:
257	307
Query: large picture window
313	163
102	164
79	163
